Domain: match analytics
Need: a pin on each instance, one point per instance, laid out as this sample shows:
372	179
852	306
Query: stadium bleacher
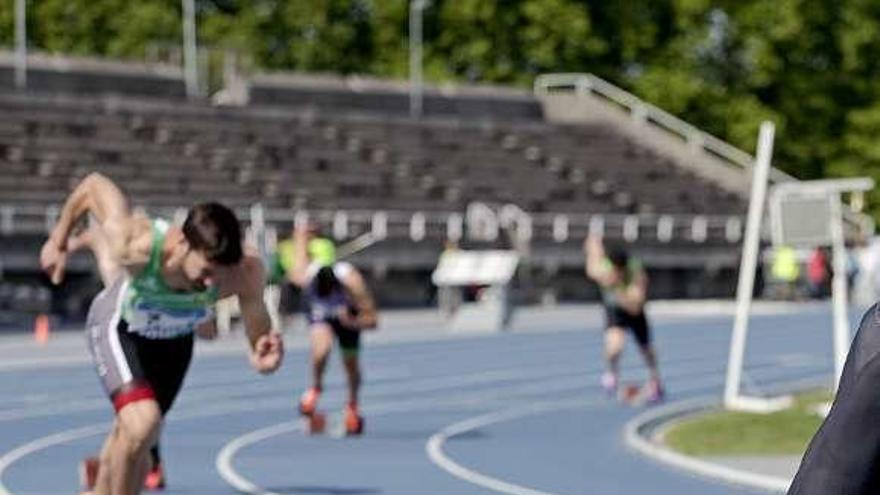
343	152
163	151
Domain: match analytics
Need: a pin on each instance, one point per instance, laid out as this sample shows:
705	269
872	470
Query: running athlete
140	328
321	250
844	455
93	239
339	305
624	287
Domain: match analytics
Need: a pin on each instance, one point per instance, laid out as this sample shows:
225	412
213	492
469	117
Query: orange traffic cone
41	329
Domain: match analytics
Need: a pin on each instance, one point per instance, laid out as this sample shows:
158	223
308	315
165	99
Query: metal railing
417	226
644	112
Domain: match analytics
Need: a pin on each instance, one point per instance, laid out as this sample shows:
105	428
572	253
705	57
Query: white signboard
458	268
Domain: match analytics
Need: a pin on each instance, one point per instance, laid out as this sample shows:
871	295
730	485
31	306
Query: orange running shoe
354	422
309	401
88	472
155	480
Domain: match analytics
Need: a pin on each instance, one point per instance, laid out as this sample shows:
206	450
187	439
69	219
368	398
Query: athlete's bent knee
615	338
139	424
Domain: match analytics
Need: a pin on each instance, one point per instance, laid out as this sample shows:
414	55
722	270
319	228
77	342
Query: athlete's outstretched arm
266	345
594	253
299	273
94	239
99	196
367	316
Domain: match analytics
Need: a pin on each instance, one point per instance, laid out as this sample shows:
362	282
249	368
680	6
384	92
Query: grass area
722	433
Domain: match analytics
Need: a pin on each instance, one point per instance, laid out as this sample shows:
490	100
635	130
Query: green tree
389	31
104	27
513	41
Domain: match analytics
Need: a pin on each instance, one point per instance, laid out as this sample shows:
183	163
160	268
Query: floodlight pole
190	49
749	262
416	85
839	288
20	44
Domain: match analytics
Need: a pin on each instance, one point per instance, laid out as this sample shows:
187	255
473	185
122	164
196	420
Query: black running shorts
637	324
132	367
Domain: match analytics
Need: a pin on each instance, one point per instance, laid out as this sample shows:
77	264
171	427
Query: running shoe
155	480
655	392
354	422
309	401
609	383
88	472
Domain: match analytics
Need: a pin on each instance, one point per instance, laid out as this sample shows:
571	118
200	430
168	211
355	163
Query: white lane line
29	448
242	406
637	441
49	407
434	446
547	386
72	353
692	464
553	383
384	380
474	399
224	460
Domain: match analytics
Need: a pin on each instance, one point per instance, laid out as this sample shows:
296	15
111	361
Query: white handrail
32	220
588	84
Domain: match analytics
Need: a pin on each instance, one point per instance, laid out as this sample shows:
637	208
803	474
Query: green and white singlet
155	311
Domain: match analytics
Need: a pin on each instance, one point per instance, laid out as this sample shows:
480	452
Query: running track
516	413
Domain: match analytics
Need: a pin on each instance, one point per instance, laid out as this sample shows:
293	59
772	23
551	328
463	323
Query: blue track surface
413	391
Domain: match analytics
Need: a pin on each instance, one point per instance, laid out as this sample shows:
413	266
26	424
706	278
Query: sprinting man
624	287
109	270
338	306
320	250
140	328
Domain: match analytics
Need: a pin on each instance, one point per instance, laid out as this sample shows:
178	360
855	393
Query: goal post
806	215
733	399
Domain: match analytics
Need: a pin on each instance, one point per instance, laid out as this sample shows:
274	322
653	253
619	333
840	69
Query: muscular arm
299	273
100	197
594	254
250	299
267	349
367	316
93	239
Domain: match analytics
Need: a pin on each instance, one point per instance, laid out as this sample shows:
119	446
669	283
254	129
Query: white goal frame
830	190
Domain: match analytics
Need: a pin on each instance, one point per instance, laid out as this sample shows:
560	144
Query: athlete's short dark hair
326	281
214	230
618	257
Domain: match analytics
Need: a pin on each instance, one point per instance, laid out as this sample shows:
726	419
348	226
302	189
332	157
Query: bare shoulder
353	280
244	279
140	236
251	267
132	243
